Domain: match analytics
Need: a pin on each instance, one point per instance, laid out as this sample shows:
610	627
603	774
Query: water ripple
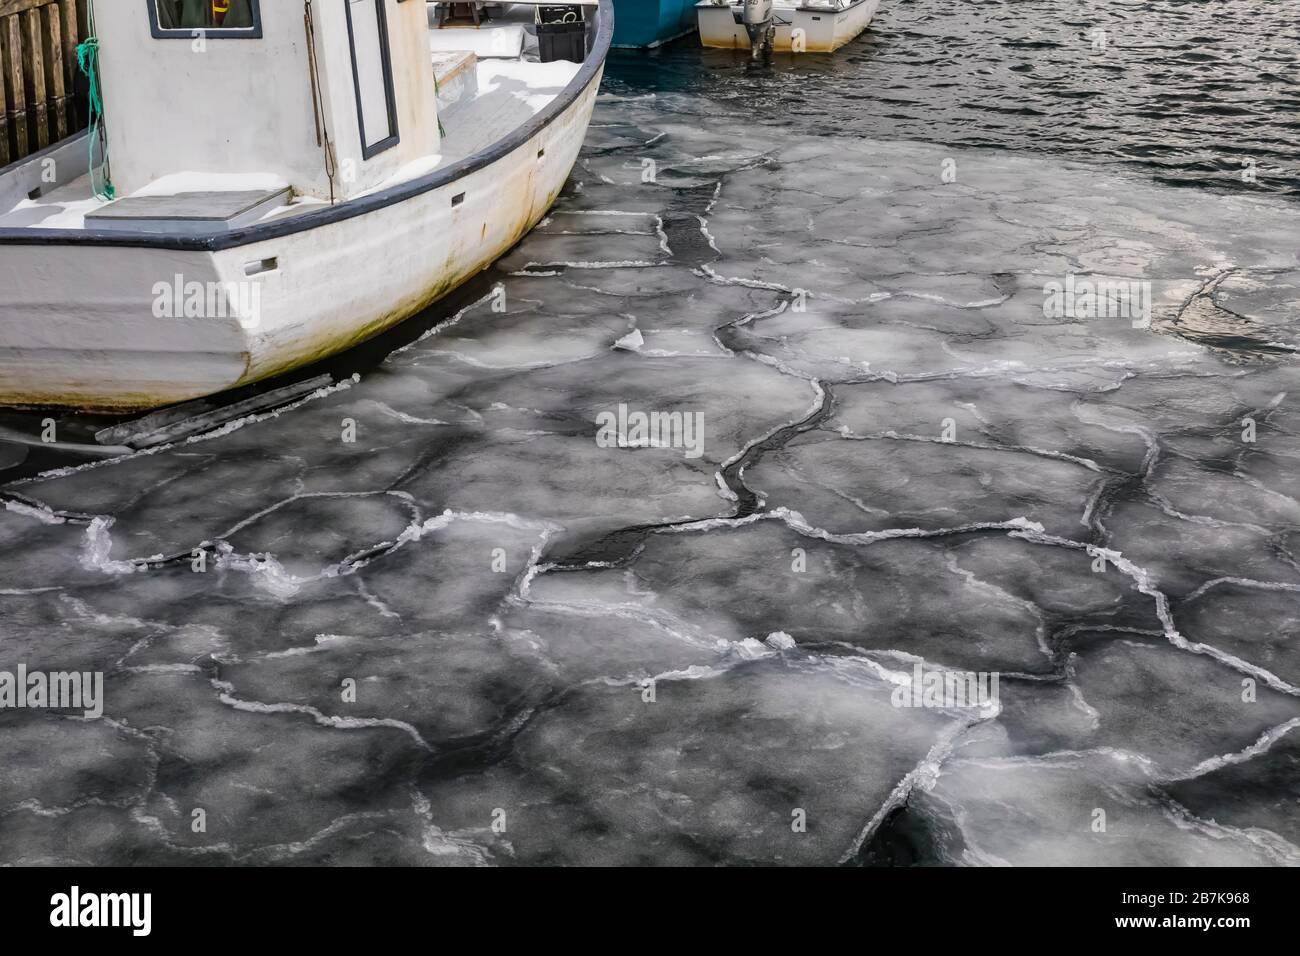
1189	92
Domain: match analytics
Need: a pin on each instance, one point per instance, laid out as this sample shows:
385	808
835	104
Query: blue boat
648	23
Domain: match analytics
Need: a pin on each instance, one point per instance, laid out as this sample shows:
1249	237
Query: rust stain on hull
449	280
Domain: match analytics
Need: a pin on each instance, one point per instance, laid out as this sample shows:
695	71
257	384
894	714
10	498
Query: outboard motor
758	23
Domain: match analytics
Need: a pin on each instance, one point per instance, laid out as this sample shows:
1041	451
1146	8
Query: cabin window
372	75
216	18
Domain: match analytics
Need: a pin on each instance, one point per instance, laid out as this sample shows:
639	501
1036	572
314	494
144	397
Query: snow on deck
509	93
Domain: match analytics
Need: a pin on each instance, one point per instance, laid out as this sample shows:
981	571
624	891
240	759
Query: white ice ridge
320	642
847	434
663	621
269	853
1021	528
663	236
446	323
1260	746
922	775
218	432
796	522
441	843
265	568
40	512
1273	846
1243	583
586	164
708	272
582	264
1270	844
658	230
98	543
403	417
818	404
1143	580
704	230
226	694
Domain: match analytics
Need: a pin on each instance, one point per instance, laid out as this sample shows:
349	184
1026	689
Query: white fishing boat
798	26
290	179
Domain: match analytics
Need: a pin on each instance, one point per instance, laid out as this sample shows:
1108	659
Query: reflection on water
1184	90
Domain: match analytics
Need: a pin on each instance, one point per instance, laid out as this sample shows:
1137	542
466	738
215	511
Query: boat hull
798	30
79	327
649	23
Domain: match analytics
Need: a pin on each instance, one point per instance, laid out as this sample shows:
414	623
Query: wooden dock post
38	74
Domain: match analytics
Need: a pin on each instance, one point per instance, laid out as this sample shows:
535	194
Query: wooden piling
38	74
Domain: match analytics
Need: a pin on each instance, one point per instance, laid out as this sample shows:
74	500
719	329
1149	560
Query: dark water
1186	90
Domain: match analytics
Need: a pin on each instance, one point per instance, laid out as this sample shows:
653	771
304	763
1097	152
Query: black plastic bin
561	34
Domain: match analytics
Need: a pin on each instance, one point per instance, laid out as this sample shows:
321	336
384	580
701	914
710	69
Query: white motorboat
798	26
290	179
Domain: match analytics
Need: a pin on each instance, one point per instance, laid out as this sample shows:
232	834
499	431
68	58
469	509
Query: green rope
88	63
441	132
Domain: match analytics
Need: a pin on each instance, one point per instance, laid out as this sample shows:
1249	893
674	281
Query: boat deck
487	87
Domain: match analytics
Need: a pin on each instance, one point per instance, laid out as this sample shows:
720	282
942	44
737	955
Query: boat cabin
331	98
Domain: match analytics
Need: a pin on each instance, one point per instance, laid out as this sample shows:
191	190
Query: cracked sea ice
502	589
